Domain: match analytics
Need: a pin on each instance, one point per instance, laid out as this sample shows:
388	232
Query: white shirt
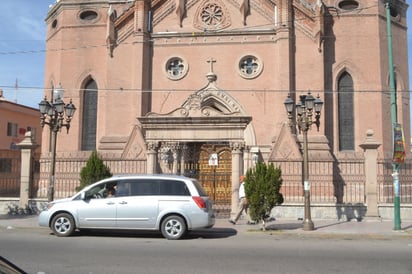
242	191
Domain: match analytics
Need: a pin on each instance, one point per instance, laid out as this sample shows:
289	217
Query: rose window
212	15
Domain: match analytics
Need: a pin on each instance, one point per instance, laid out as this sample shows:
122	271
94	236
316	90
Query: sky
22	49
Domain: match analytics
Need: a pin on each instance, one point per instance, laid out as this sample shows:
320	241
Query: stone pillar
176	151
26	146
237	170
182	159
151	151
370	147
247	161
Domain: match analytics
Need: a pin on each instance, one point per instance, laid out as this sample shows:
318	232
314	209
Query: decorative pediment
209	101
211	14
133	148
208	114
285	147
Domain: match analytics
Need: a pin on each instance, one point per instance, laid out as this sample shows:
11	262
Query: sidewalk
327	227
281	226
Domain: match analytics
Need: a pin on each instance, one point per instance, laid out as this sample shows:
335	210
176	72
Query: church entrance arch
210	122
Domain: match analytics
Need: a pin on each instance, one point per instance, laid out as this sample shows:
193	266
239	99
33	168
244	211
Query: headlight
49	205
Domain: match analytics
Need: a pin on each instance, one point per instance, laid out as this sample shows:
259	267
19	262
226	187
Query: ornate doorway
214	174
193	131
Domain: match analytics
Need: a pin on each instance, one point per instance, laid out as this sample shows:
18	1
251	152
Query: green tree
262	188
94	171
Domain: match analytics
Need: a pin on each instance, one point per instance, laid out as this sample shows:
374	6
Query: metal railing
343	182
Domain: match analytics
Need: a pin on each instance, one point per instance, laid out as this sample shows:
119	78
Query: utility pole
394	119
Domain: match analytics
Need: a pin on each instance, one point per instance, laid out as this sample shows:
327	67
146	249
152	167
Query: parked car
172	205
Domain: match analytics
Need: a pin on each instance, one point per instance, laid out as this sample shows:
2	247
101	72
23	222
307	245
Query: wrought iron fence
347	184
385	181
67	173
10	173
331	182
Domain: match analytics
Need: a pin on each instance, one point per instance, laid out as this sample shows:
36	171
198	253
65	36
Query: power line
127	90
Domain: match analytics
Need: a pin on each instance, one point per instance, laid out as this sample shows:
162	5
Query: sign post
214	162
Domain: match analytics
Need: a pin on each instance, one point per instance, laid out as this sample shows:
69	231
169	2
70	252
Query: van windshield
199	188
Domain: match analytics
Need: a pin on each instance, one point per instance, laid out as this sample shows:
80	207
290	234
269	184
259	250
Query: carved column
182	159
246	158
176	151
26	146
370	147
151	151
237	170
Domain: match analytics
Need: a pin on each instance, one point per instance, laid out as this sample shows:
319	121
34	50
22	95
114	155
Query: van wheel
63	225
173	227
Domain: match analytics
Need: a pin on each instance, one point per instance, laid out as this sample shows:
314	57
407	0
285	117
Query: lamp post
54	114
304	110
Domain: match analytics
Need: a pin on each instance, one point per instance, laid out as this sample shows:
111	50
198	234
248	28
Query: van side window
169	187
123	188
145	187
96	192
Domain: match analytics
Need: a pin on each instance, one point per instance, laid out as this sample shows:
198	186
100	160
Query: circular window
212	15
250	67
348	5
88	15
176	68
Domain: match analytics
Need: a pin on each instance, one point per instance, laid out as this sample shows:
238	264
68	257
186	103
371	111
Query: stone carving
111	35
180	10
237	147
209	101
151	147
285	147
212	15
245	10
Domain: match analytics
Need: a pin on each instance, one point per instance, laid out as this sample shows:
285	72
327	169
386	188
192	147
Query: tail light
200	202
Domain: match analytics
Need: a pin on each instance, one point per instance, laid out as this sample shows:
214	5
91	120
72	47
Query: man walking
243	203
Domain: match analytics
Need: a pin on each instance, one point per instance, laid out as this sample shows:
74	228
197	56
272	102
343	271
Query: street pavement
370	228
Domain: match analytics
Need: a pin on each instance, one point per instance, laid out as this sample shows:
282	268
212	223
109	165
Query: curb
323	228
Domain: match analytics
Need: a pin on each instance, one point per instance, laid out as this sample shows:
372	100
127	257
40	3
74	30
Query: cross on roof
211	61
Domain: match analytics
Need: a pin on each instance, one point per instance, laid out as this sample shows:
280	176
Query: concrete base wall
11	206
347	212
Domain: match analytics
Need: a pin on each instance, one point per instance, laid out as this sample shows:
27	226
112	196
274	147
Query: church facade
197	87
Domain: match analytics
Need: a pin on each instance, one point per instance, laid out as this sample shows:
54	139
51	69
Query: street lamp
53	114
304	110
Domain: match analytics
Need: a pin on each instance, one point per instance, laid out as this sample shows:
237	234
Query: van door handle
110	203
123	203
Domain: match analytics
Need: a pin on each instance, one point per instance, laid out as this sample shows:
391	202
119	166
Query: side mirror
83	195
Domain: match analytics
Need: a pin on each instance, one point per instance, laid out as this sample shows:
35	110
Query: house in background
15	121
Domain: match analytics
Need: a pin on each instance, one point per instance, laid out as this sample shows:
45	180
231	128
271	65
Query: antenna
16	87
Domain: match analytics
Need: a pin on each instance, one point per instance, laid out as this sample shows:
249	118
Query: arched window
345	112
89	119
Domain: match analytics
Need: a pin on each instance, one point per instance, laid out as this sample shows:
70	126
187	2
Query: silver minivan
172	205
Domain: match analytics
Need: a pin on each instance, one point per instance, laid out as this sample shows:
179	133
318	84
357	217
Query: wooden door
214	176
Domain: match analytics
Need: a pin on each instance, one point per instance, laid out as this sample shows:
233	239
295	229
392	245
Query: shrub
94	171
262	186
